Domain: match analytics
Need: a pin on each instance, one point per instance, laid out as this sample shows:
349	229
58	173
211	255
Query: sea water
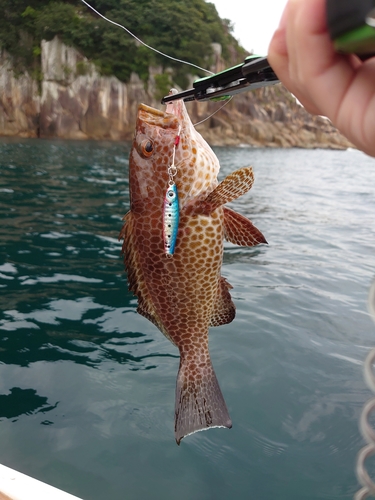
87	384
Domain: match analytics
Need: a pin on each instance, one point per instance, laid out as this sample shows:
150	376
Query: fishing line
143	43
214	113
160	53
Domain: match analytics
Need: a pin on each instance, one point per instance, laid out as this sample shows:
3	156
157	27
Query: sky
254	21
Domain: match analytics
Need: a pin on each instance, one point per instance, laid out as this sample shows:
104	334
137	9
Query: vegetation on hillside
184	30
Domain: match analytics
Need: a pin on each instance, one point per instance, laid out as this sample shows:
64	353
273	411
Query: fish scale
184	295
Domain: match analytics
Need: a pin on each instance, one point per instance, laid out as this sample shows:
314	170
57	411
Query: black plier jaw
253	73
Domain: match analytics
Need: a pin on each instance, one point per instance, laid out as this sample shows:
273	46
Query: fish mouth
150	110
154	116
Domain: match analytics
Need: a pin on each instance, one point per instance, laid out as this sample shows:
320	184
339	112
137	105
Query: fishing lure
171	209
170	219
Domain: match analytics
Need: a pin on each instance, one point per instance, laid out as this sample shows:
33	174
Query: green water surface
87	385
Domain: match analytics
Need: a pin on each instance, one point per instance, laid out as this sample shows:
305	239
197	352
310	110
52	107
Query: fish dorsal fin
224	310
134	271
231	188
240	230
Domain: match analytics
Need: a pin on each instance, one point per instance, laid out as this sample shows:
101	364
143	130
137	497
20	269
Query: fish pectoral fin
232	187
240	230
199	402
224	310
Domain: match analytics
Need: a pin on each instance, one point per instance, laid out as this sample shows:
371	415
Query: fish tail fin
199	402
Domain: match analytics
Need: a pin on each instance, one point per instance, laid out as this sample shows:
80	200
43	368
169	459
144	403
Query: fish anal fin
233	186
240	230
224	310
199	402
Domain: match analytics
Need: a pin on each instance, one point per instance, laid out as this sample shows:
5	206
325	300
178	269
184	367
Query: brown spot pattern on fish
232	187
183	295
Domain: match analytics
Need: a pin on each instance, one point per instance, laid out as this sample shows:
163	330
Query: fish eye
147	148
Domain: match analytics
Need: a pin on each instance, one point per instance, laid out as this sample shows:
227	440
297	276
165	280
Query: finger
337	86
356	114
278	58
316	70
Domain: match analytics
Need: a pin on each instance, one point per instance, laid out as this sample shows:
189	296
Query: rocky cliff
72	100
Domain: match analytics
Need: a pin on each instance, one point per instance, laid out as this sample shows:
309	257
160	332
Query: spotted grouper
173	251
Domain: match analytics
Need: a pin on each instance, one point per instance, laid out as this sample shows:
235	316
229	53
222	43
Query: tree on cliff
184	30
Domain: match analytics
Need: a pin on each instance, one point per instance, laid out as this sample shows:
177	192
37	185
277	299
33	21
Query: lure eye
147	148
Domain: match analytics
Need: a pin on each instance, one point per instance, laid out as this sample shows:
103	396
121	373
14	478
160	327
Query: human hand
341	87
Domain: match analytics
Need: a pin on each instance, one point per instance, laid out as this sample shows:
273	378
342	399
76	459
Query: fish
182	291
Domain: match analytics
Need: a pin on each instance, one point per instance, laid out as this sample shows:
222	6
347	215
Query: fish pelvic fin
199	402
240	230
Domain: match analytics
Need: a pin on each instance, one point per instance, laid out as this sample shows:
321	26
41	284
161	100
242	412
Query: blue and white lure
171	209
171	218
